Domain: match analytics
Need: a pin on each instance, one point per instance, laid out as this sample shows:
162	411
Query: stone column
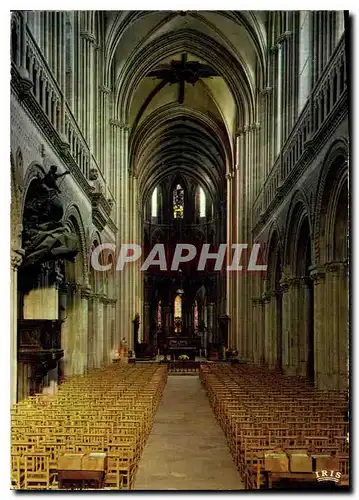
322	366
290	322
84	328
257	330
210	322
98	324
167	316
269	328
16	259
147	321
337	317
230	239
65	300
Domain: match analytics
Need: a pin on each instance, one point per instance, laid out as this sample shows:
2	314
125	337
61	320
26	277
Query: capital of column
292	282
104	89
266	91
284	36
257	301
335	267
90	37
318	275
266	297
17	255
254	126
86	291
119	124
98	296
229	176
106	300
69	286
274	48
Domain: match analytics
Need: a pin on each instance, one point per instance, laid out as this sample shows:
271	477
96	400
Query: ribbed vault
185	122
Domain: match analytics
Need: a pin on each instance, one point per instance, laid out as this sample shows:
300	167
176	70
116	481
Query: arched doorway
332	323
298	310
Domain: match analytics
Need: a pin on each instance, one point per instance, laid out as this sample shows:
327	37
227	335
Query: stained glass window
195	321
159	315
178	202
178	307
154	210
202	203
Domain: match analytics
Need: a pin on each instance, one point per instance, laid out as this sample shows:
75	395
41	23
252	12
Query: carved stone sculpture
45	237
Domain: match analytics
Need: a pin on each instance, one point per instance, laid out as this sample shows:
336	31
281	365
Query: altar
178	345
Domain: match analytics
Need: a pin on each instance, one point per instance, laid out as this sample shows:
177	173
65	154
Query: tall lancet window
154	203
159	315
195	319
178	307
178	202
279	100
178	313
202	203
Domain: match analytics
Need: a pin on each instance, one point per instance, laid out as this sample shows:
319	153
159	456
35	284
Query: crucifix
182	71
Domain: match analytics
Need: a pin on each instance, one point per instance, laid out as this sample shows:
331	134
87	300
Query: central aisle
187	449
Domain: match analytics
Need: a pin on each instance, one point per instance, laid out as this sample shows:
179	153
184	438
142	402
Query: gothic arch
72	218
298	211
333	179
31	174
274	261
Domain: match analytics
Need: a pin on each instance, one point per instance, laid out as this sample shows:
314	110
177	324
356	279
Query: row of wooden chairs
260	411
109	410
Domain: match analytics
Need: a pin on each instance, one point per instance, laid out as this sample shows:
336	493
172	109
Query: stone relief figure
45	237
50	179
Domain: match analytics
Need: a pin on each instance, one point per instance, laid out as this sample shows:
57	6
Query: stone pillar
268	329
147	321
210	322
167	316
290	305
98	330
322	366
258	331
16	259
230	296
65	300
84	329
337	317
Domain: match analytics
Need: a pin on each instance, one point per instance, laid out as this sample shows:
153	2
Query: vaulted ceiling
185	82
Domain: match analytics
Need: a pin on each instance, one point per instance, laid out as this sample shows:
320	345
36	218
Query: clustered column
331	325
16	259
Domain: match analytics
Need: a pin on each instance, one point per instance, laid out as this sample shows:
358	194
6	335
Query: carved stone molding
119	124
69	287
90	37
284	36
318	275
266	297
266	91
86	291
335	268
93	174
101	210
104	89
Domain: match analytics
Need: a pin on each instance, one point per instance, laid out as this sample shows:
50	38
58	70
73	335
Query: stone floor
186	449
